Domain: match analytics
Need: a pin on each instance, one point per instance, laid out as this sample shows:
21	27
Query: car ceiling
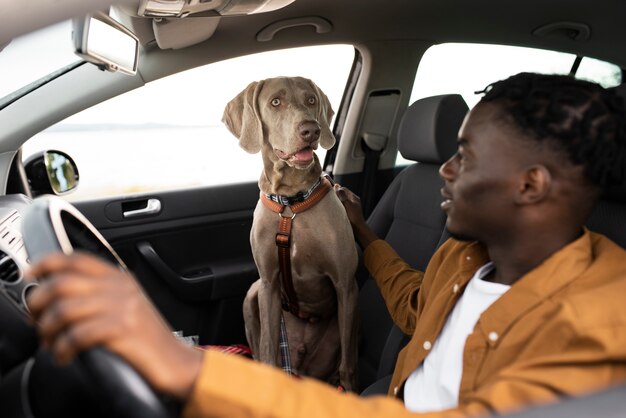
493	21
488	21
19	17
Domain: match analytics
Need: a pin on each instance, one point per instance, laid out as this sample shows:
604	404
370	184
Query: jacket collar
553	274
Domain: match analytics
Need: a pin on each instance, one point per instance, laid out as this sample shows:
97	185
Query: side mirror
51	172
103	41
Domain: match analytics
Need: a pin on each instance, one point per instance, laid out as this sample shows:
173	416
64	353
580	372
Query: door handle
153	206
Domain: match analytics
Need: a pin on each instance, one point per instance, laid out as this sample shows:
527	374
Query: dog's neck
281	179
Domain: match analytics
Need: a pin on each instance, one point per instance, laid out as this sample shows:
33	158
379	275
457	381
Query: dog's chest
311	232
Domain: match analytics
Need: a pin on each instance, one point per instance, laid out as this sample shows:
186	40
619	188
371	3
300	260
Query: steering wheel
50	225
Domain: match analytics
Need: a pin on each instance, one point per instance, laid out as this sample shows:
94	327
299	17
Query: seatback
408	216
609	215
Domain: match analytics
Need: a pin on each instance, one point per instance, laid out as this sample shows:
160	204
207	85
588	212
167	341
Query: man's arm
234	387
231	386
563	357
397	281
86	302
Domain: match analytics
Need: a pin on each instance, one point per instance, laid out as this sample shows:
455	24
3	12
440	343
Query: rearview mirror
103	41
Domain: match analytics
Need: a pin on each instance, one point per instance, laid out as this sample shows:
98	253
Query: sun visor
181	33
185	8
176	24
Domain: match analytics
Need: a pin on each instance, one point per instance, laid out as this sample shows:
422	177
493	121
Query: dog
286	119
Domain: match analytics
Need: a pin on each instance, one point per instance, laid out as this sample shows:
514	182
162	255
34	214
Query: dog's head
291	114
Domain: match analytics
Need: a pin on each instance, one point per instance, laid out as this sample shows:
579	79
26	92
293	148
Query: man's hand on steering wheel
84	302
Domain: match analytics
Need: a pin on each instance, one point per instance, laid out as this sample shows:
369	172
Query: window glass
169	135
467	68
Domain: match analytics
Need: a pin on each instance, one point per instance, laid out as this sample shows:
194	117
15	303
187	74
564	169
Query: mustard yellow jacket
560	330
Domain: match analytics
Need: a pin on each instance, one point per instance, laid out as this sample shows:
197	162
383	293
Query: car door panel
193	257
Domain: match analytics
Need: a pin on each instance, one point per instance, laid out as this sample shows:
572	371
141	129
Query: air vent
9	271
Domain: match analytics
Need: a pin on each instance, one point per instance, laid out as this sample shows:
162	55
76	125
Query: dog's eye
275	102
311	100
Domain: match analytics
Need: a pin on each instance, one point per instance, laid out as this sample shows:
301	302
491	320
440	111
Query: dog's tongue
305	154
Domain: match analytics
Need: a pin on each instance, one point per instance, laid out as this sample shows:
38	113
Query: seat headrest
429	128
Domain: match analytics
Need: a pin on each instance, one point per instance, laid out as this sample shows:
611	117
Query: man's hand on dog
352	203
83	301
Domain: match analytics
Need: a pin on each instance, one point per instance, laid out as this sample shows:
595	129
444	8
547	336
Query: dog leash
283	238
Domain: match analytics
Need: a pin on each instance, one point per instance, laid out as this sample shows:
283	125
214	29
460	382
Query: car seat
609	215
408	216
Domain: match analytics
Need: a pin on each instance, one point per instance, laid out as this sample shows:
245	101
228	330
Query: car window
169	135
467	68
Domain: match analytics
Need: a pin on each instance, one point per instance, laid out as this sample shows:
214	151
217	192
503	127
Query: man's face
481	178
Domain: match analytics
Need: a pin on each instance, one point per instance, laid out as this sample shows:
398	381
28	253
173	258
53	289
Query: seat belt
373	145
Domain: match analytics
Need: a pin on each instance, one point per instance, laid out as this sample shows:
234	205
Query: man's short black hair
582	118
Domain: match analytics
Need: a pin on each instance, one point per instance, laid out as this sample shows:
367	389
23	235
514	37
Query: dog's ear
241	117
324	116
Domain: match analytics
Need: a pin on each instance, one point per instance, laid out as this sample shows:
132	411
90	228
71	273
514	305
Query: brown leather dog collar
283	238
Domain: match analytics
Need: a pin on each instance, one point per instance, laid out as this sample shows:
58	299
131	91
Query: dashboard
14	259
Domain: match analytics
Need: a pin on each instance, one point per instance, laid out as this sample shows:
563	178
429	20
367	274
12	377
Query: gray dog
286	118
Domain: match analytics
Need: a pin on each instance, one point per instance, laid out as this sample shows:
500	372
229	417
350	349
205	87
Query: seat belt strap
373	146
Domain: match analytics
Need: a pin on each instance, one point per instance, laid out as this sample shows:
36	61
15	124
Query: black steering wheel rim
50	225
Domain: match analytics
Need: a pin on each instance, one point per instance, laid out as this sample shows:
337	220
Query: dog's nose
309	131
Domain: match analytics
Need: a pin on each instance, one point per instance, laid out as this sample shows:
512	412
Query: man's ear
534	185
241	117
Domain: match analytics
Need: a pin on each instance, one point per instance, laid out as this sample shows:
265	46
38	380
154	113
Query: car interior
401	76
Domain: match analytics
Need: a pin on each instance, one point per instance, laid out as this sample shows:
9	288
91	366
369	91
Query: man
521	307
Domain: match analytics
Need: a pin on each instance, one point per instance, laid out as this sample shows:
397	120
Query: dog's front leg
270	309
347	298
252	317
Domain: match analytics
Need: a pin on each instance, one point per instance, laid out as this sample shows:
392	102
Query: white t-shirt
434	385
